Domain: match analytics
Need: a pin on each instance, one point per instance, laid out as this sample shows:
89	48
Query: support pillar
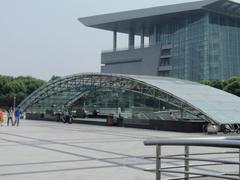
114	40
142	38
181	112
155	34
186	162
158	162
239	162
131	40
206	66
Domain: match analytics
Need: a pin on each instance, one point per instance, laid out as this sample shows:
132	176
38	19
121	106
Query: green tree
232	79
233	87
54	78
219	84
206	82
19	87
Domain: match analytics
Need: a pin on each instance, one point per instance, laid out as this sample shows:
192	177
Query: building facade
194	41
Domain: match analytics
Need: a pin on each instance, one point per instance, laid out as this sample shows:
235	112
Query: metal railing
132	48
188	167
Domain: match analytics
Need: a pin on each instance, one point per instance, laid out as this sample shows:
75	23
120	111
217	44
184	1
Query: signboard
86	87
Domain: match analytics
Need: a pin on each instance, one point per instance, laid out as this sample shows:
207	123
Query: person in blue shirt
17	114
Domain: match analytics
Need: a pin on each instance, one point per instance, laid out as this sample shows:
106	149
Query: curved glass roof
215	105
221	106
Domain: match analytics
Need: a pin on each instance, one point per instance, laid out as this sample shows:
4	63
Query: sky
42	38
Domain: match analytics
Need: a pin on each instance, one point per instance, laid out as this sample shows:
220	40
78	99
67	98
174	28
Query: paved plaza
51	150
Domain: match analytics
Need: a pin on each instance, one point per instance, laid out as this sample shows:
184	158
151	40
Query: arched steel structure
169	90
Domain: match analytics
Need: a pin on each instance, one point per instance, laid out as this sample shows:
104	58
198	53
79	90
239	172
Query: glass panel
219	105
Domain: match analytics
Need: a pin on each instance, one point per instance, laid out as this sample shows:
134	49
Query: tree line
19	87
231	85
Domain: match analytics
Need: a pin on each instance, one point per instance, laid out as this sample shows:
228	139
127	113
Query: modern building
142	101
194	41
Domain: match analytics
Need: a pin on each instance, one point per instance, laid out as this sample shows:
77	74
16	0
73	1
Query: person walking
1	116
67	117
171	117
10	116
17	116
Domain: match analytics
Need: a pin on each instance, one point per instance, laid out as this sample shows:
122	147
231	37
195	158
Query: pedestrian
171	117
67	117
10	116
1	116
17	116
58	116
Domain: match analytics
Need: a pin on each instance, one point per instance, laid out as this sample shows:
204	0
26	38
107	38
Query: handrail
187	142
228	142
197	154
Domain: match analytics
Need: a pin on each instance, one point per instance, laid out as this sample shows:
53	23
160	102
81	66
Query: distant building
194	41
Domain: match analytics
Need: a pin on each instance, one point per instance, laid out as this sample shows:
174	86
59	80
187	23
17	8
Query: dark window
165	52
163	73
165	62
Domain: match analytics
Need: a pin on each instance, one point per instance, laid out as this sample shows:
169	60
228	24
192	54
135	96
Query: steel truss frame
108	81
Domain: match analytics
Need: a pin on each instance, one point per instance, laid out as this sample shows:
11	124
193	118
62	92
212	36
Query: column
187	67
155	34
142	38
206	66
114	40
131	40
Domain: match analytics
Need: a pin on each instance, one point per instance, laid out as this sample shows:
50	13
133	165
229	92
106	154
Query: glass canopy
147	97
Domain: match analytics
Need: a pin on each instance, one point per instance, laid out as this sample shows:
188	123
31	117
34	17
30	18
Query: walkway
50	150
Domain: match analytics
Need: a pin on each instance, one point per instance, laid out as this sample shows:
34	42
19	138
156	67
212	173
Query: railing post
239	162
158	162
186	162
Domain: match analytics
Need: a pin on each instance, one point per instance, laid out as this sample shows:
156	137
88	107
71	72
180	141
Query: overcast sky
42	38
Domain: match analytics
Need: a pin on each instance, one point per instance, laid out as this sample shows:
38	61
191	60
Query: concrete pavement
51	150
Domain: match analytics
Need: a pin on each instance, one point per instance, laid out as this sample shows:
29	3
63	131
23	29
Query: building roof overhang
135	20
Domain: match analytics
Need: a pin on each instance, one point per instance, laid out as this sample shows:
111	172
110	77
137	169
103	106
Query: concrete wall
142	61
